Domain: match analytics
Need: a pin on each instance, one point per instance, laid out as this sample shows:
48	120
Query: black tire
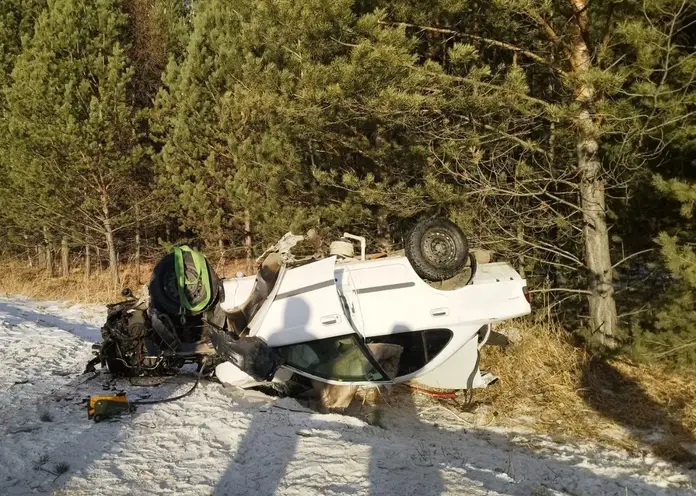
437	249
164	293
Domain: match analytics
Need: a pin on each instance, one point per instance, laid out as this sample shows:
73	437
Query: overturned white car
328	320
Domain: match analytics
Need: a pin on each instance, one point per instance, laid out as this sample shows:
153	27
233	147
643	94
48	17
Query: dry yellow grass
561	389
18	278
546	383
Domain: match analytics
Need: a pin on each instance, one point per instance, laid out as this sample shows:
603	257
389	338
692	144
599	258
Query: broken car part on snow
342	320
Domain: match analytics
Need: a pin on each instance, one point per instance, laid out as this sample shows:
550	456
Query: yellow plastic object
101	407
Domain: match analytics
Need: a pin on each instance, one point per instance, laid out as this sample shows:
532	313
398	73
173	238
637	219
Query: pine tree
549	112
16	25
537	126
185	119
674	338
17	19
75	149
158	31
278	113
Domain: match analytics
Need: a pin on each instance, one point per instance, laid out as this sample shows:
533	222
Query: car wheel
437	249
164	291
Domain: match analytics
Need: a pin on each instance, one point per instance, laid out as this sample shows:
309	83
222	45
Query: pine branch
495	87
500	44
688	344
561	290
625	259
550	33
527	145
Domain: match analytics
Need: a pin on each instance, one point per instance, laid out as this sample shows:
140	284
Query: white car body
383	299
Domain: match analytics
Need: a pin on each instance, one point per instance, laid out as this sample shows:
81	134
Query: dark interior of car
419	347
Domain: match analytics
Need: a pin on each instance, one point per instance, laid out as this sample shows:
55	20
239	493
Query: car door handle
330	319
439	312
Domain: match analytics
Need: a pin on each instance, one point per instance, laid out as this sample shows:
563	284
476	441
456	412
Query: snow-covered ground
223	441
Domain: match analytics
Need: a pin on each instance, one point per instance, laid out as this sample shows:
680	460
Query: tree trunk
520	242
88	266
137	244
40	255
384	238
221	245
110	246
65	256
247	241
603	319
221	252
30	262
48	252
603	316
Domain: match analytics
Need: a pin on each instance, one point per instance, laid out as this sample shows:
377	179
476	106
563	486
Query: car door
304	306
349	298
305	319
392	299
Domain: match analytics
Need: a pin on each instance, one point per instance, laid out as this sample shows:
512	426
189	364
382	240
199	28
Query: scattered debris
441	407
375	417
58	469
23	428
43	460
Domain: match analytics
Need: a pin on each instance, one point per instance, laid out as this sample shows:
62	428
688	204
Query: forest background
560	134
